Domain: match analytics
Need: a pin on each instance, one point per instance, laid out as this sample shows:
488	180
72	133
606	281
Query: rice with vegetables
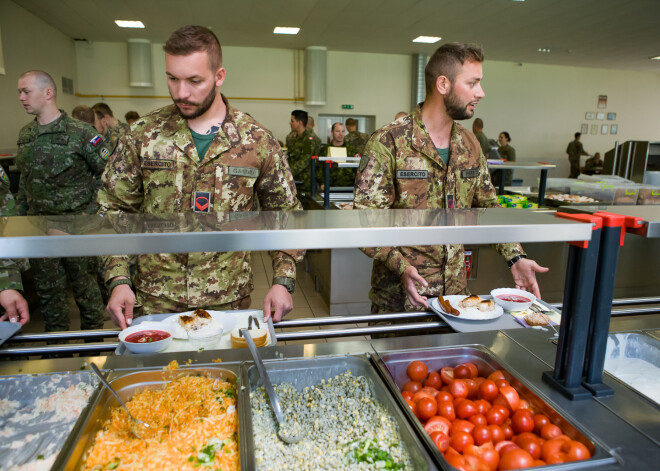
342	424
193	425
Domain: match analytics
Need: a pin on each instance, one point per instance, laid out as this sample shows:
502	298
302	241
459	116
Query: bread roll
259	336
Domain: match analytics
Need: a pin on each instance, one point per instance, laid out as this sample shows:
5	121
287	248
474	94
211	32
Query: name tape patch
471	173
243	172
157	164
412	174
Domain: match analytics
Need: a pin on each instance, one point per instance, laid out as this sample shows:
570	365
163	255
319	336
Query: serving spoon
137	426
289	433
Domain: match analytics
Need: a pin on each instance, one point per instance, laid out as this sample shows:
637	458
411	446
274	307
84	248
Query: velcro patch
202	203
412	174
104	152
243	172
61	139
363	162
96	140
3	175
470	173
158	164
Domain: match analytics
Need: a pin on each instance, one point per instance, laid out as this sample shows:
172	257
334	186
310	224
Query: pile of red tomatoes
482	424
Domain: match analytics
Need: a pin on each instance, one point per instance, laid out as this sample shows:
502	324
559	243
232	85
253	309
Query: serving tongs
540	311
289	433
136	425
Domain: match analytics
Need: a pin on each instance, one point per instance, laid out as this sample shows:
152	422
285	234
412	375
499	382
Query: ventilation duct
139	63
2	57
418	83
315	75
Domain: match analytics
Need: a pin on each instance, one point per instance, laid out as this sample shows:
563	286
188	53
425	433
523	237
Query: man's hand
120	305
15	305
408	279
278	301
524	275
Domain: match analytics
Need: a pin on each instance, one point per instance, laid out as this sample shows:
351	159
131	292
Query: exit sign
346	107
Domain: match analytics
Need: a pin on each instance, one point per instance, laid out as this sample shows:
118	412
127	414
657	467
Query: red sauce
147	336
514	298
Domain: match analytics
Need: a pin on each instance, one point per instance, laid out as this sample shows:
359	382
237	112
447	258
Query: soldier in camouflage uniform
301	144
344	176
575	151
427	160
354	137
58	158
11	300
199	154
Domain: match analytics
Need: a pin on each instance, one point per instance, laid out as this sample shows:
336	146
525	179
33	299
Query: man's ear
443	85
220	76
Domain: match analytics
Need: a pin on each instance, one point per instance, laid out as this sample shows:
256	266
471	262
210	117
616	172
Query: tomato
460	425
459	440
474	372
429	390
421	394
554	450
412	405
466	409
504	446
446	409
437	424
462	371
488	389
497	433
444	396
473	388
412	386
515	459
539	463
578	452
485	453
441	441
426	408
466	463
496	415
417	370
458	388
478	419
530	444
482	405
524	404
482	434
407	395
522	421
502	383
497	374
433	380
447	375
511	396
539	421
508	431
549	431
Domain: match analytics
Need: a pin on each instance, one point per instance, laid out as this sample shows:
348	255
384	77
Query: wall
29	43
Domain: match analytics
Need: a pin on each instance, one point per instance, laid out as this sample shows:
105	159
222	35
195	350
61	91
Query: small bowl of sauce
143	338
512	299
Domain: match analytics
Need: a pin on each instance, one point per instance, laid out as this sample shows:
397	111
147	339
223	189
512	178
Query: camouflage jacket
299	149
344	176
10	270
483	142
575	149
591	167
156	170
58	166
380	183
358	140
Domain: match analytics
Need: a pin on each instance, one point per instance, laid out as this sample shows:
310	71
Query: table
501	165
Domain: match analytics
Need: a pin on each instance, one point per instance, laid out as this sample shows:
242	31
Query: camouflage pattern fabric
483	142
338	176
574	151
299	149
357	140
591	167
155	169
10	270
406	145
58	163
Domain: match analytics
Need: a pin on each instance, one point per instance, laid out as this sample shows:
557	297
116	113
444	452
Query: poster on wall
585	129
589	115
611	116
604	128
594	129
600	116
602	101
614	129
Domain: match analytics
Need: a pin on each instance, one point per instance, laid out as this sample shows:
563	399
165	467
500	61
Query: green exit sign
346	107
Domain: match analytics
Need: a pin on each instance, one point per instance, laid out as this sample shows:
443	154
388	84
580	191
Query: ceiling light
544	49
655	58
285	30
426	39
129	24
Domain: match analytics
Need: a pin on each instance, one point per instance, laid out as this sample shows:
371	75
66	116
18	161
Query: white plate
226	319
469	314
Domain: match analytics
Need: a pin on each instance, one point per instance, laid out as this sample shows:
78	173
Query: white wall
28	44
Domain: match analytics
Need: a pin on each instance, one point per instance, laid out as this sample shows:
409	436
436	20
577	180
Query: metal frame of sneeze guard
93	235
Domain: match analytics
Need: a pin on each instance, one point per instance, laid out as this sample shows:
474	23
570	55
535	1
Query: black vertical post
326	194
542	183
313	176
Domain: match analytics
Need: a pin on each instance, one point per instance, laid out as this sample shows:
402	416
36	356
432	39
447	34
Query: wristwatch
288	283
511	262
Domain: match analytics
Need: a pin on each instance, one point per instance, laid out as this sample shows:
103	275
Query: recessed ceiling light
285	30
426	39
543	49
129	24
655	58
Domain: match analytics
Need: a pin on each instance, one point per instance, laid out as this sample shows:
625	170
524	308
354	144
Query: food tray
225	343
392	366
505	321
7	329
302	373
126	383
37	414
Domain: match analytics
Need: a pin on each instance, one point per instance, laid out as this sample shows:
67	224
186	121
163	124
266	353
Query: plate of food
199	321
468	308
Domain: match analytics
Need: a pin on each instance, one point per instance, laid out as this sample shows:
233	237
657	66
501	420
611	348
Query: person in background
593	165
83	113
131	117
478	130
344	176
301	145
310	123
508	153
354	137
428	160
575	151
59	157
400	114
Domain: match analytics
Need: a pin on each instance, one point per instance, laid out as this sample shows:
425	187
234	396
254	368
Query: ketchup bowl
512	299
146	338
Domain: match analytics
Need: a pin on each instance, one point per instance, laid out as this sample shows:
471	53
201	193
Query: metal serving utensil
538	310
136	425
286	432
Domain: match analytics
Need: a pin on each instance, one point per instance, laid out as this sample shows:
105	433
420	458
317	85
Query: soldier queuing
340	176
301	144
354	137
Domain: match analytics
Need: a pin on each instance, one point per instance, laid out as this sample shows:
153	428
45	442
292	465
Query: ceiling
614	34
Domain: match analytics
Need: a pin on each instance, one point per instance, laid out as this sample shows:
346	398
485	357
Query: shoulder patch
96	140
363	162
105	153
3	175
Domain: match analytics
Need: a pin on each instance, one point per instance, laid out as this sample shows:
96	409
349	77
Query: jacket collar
422	142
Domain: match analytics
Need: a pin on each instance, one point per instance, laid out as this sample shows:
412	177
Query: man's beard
201	108
455	109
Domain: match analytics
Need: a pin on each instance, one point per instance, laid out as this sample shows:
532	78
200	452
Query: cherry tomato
488	389
458	388
429	390
482	434
433	380
466	463
486	453
447	375
473	388
466	409
460	425
437	424
515	459
522	420
462	371
482	405
444	396
496	415
497	433
441	441
554	450
426	408
511	396
502	383
417	370
549	431
421	394
446	409
504	446
497	374
407	395
478	419
412	405
539	421
474	372
578	452
530	444
524	404
412	386
508	431
459	440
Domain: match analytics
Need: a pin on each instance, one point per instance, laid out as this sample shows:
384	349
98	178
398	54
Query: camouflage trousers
575	166
147	304
50	279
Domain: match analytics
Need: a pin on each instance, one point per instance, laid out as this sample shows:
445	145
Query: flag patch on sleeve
95	140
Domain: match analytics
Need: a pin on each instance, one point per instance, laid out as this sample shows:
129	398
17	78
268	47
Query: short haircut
447	60
310	121
192	38
131	115
335	124
577	134
506	134
300	115
351	122
99	114
43	80
83	113
103	108
478	123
